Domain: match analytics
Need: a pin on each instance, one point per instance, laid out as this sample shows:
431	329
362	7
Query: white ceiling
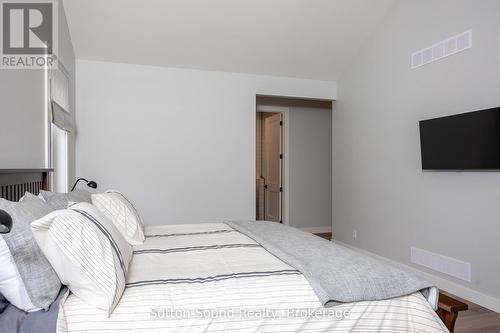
297	38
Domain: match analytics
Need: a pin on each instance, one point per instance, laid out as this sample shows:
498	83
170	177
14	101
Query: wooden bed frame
448	309
15	182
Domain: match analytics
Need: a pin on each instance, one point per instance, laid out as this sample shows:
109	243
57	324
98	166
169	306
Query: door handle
264	180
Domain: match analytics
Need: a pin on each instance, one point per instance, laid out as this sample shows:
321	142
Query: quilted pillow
88	253
27	279
61	200
122	213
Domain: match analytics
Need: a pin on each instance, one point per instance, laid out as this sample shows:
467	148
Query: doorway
294	160
269	180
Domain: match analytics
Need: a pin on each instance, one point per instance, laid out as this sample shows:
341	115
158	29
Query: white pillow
122	212
11	284
87	252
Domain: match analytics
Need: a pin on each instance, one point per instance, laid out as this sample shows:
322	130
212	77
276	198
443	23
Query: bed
213	278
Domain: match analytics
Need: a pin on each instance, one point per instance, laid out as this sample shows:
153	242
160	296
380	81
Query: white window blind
59	99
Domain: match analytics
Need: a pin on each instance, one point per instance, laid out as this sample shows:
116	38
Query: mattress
211	278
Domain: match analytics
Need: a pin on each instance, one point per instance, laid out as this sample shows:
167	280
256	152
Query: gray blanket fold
336	274
13	320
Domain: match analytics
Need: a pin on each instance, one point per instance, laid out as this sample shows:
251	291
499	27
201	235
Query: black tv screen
464	141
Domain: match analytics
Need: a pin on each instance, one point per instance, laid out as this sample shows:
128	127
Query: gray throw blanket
336	274
13	320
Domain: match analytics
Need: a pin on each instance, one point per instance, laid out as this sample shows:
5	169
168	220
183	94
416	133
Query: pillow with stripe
87	252
122	212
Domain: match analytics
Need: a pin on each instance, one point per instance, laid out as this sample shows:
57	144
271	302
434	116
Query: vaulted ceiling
296	38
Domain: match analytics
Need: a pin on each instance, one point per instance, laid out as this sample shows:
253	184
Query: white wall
180	143
379	186
22	111
22	119
311	168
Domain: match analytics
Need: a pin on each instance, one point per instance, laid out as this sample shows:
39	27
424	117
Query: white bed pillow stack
122	212
87	251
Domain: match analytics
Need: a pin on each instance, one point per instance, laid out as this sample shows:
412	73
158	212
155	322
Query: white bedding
210	278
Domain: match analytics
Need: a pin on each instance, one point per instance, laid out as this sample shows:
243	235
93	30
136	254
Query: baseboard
474	296
317	230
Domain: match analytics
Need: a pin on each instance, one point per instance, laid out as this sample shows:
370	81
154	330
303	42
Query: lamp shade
5	222
91	184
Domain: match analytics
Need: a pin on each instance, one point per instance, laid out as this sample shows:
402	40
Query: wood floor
477	319
325	235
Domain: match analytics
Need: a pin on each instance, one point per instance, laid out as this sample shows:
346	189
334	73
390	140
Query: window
59	149
62	125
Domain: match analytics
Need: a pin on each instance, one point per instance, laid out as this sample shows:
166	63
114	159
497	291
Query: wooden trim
45	181
448	309
11	171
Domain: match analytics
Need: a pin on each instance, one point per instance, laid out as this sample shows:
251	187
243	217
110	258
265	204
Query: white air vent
438	262
442	49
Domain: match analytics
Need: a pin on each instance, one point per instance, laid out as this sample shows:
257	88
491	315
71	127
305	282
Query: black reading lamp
91	183
5	222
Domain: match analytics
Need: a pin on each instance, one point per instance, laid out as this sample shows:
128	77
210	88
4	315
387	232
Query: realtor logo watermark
29	34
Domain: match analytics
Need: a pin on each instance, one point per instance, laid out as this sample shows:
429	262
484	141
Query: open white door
272	166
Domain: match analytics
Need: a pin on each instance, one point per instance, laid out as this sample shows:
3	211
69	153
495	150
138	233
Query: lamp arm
78	180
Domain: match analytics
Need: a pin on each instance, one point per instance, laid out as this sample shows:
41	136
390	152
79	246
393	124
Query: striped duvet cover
211	278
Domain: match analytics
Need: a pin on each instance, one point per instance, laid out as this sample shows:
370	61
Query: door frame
285	111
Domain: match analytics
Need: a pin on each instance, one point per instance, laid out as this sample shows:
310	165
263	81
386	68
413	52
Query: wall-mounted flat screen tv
467	141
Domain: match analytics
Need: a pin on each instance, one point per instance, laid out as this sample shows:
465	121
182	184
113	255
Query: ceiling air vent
442	49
